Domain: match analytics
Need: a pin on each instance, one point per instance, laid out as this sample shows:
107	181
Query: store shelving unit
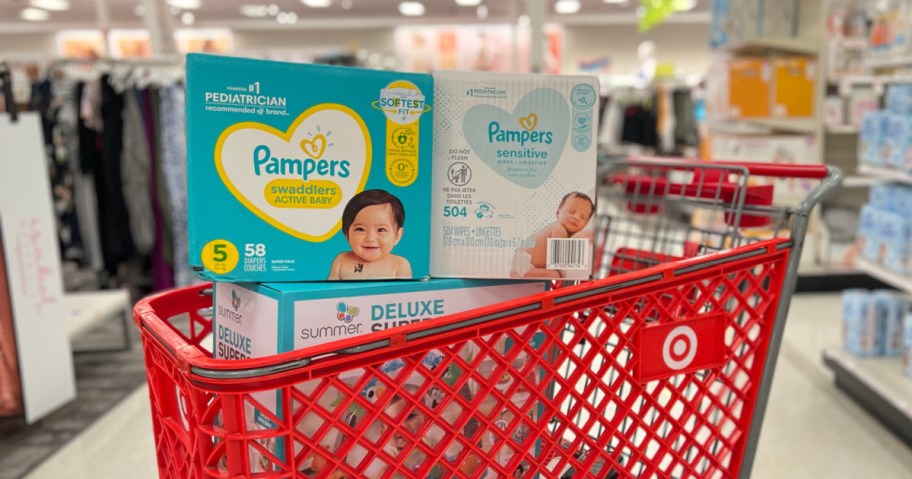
885	174
789	125
878	385
842	129
796	45
893	61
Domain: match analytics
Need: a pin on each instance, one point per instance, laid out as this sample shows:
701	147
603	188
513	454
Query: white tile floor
811	430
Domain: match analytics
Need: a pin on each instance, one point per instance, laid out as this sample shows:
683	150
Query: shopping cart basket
661	368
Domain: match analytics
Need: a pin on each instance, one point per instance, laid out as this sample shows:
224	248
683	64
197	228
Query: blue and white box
868	236
289	316
863	327
256	320
893	307
307	172
514	176
869	138
899	99
895	235
907	345
896	141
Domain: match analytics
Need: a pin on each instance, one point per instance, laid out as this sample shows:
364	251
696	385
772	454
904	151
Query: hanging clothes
640	124
174	168
114	220
162	274
686	132
61	179
135	174
83	147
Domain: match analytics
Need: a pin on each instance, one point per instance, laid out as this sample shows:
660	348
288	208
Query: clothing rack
6	79
138	72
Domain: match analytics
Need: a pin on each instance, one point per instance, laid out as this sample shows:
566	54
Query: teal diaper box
307	172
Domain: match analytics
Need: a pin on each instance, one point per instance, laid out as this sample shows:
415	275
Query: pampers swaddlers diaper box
514	175
307	172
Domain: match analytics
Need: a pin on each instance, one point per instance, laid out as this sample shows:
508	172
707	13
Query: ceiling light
566	7
187	18
616	2
684	5
140	10
272	10
287	18
186	4
482	11
346	4
411	9
316	3
34	14
52	5
467	3
254	11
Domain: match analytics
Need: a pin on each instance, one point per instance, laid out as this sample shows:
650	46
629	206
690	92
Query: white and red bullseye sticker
680	347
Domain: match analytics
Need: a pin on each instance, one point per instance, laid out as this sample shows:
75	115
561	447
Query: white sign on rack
33	267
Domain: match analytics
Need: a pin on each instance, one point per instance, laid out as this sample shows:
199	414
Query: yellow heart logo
263	168
529	122
314	148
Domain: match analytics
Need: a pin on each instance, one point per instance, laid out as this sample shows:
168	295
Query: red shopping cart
661	368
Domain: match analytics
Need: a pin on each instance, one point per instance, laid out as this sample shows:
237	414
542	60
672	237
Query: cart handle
775	170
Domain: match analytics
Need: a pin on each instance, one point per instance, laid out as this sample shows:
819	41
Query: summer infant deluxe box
307	172
514	176
255	320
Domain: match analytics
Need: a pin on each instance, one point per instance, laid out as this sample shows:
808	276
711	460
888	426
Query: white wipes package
514	176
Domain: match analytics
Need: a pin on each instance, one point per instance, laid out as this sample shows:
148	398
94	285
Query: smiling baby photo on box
307	172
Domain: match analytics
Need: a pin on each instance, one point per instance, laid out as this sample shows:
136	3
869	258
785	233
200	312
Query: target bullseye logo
680	348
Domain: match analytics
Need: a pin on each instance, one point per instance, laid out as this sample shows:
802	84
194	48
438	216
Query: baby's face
574	214
374	232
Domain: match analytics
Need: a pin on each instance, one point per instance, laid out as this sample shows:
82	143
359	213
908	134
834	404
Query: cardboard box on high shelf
793	87
779	18
748	81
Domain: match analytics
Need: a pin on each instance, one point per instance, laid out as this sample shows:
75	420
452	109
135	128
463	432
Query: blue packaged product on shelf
895	234
868	236
893	308
907	345
882	196
307	172
869	138
902	201
862	320
895	146
899	99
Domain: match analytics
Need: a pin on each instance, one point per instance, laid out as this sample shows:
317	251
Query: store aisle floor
812	430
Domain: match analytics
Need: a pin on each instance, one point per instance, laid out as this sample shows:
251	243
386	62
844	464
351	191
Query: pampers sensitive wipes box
307	172
514	175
